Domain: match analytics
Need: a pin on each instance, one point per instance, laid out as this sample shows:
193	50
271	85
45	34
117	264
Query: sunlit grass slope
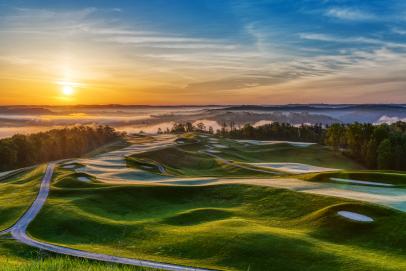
386	177
189	160
18	257
226	227
315	155
16	195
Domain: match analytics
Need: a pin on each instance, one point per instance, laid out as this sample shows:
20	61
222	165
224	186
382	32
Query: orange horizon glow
57	56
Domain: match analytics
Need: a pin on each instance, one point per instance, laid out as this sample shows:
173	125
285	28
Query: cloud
389	120
399	31
350	40
349	14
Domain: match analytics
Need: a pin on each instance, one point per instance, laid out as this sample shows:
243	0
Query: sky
168	52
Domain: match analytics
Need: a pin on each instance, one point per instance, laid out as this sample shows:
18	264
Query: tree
371	154
385	155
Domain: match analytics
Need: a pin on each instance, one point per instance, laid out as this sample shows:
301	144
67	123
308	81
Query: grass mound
198	216
226	227
388	177
188	161
315	155
72	180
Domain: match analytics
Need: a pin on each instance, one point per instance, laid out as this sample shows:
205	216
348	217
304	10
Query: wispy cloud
349	14
265	58
357	40
399	31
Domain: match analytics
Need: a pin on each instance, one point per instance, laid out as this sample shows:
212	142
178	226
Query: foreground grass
16	195
18	257
227	227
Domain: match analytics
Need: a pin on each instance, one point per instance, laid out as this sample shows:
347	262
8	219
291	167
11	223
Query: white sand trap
355	216
292	167
221	146
271	142
69	166
84	179
360	182
180	142
213	151
81	169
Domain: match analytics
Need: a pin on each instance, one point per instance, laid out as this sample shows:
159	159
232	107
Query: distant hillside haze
148	118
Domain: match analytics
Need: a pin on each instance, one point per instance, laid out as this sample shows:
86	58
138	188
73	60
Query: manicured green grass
315	155
388	177
18	257
188	161
116	145
226	227
16	195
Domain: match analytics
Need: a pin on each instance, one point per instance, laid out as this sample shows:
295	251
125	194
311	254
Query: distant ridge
318	107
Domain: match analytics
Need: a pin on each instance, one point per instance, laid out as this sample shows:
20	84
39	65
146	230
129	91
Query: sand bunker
271	142
292	167
360	182
213	151
220	146
84	179
69	166
355	216
180	142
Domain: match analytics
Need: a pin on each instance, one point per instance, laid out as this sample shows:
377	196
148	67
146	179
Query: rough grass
226	227
16	195
389	177
18	257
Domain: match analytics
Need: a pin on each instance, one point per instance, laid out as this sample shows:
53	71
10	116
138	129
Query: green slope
387	177
16	195
189	161
192	158
18	257
315	155
227	227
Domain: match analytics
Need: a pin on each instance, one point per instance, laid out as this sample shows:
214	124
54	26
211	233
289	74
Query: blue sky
209	51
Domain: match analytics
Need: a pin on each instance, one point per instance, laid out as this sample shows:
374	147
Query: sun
68	90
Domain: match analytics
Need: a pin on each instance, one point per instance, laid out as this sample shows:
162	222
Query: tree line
26	150
374	146
276	131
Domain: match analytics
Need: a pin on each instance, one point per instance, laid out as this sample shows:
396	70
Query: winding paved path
18	231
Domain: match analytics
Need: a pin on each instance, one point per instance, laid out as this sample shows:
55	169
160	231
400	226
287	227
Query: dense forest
25	150
276	131
375	146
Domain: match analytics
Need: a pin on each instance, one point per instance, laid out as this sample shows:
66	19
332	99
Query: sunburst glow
68	90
